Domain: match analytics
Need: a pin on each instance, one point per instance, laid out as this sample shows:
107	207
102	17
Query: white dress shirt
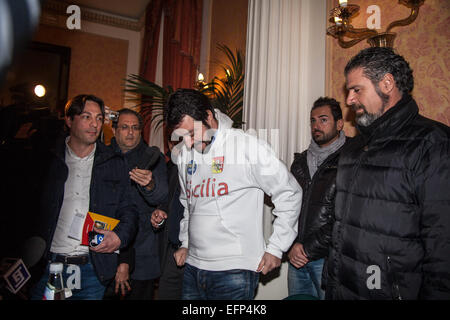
67	238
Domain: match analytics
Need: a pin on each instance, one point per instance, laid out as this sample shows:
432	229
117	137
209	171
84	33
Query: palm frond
149	97
226	94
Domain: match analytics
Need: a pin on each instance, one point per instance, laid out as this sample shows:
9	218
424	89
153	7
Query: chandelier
342	28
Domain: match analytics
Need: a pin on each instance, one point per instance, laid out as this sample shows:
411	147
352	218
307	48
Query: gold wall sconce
341	16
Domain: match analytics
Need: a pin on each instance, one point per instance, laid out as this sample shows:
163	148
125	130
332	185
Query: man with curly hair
391	236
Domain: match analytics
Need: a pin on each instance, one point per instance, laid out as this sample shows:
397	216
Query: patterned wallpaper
425	44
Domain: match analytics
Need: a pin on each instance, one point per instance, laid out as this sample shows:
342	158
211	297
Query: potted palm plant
226	94
149	97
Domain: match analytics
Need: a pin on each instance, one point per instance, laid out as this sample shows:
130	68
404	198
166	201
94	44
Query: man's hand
268	263
180	256
297	255
141	176
110	243
122	278
158	216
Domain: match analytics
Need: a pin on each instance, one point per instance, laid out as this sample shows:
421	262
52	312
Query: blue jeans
234	284
90	287
306	280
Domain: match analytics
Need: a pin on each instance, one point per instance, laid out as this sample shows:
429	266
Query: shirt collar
73	155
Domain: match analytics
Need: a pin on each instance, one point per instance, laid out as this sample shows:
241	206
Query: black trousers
171	280
140	290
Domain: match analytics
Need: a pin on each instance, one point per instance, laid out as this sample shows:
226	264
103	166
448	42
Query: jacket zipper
394	287
344	215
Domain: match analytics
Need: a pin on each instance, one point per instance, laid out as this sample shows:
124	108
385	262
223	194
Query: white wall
285	74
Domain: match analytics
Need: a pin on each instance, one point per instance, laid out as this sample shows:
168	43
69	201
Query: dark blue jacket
110	195
145	245
175	210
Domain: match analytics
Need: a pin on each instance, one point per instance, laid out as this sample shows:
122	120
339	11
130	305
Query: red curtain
151	36
181	48
182	36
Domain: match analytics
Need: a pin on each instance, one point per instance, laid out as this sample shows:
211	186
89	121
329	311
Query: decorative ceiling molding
51	9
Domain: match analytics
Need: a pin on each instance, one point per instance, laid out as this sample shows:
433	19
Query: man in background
139	264
315	170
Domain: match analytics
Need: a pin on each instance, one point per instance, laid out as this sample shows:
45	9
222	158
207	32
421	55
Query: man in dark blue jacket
81	174
148	175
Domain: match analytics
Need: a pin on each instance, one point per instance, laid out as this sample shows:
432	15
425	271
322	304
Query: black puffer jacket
393	211
317	213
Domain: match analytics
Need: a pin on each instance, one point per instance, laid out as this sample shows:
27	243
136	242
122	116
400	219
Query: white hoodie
222	191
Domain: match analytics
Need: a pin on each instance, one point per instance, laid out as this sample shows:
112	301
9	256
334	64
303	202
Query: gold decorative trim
52	7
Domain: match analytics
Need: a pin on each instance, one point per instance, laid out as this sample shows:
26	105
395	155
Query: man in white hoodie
224	174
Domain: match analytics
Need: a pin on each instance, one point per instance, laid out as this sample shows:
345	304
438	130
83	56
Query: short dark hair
132	112
75	106
378	61
187	102
334	105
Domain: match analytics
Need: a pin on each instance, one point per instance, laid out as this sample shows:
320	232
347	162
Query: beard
366	118
325	137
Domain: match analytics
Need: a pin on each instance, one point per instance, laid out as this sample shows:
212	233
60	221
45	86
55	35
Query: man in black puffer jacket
315	170
391	237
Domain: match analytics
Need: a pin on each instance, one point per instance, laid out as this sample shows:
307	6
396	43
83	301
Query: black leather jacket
317	214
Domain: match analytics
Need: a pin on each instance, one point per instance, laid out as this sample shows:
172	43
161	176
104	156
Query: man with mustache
391	237
315	170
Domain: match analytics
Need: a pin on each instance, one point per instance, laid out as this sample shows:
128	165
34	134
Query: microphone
33	249
15	270
15	274
19	20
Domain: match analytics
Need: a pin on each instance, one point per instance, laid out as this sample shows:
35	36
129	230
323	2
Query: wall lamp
342	28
